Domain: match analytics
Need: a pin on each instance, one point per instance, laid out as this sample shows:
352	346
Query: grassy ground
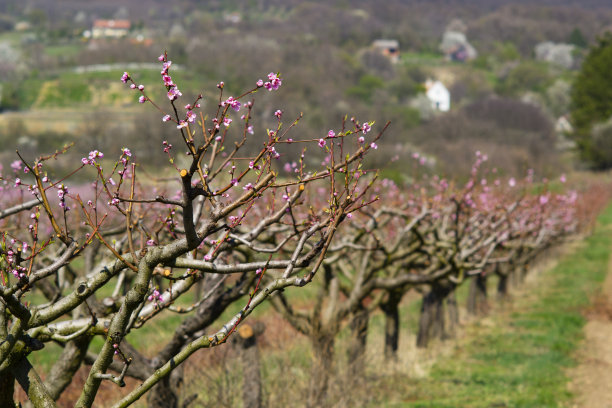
519	357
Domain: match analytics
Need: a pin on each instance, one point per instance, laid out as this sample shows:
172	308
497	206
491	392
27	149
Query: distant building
456	47
110	28
438	95
233	18
23	26
388	48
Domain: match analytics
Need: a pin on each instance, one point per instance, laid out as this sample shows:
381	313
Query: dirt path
592	379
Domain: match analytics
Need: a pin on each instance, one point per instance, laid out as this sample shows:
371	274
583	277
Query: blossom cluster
273	83
91	158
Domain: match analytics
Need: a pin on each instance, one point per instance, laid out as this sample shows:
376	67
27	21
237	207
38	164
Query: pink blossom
161	58
233	103
125	77
166	118
168	80
165	67
274	153
512	182
321	143
174	93
207	257
191	116
278	113
220	85
274	82
132	86
366	128
227	121
141	87
182	124
331	133
375	146
150	242
361	139
91	159
250	129
260	83
142	99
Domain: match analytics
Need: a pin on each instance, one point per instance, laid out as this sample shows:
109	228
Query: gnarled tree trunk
391	310
251	366
477	296
322	366
357	343
432	320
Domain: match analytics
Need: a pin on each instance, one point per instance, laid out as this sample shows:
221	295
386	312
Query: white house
438	95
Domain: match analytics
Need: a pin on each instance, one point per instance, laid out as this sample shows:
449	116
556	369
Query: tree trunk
453	314
164	394
7	390
322	366
358	341
246	340
64	369
31	383
502	286
391	310
477	296
432	321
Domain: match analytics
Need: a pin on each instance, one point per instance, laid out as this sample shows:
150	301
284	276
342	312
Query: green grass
63	50
520	360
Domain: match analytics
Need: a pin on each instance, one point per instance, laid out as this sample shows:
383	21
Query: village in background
451	80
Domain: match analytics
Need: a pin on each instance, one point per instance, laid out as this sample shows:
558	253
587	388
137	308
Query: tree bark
322	366
477	296
453	314
7	390
390	309
66	366
251	365
432	320
358	341
31	383
502	286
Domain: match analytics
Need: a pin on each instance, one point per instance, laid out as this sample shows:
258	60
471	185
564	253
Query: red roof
119	24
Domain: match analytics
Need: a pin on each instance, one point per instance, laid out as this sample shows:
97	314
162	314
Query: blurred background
453	77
